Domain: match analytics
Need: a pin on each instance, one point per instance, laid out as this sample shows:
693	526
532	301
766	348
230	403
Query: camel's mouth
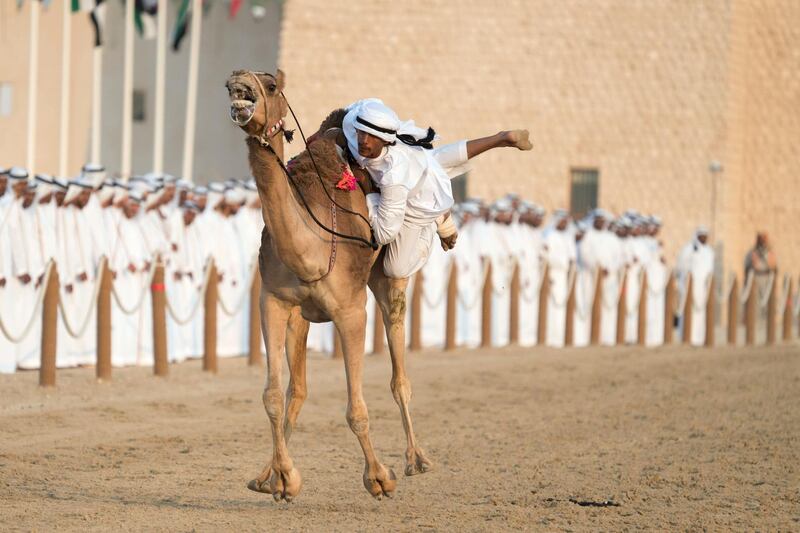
242	111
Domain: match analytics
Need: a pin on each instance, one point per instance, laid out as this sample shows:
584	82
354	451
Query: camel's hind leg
279	478
296	392
391	296
378	480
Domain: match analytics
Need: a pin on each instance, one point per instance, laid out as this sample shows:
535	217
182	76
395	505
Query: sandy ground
681	439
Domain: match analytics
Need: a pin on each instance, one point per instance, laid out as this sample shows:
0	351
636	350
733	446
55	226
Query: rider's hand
448	243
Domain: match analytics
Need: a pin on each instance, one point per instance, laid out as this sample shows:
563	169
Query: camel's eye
272	87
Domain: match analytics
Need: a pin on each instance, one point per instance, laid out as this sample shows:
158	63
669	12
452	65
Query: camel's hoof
417	463
285	485
520	139
382	483
257	485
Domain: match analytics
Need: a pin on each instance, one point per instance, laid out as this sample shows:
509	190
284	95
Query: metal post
733	313
687	310
569	335
159	298
486	304
772	323
750	314
47	365
641	334
210	322
622	310
103	369
544	295
787	313
669	312
452	308
597	308
711	322
255	342
513	317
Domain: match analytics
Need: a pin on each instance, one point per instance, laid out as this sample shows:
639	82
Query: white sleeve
451	155
387	211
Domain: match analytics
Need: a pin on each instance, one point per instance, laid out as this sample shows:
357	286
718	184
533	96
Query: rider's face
369	145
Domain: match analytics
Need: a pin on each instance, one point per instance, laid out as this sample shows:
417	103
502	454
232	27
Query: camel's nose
242	111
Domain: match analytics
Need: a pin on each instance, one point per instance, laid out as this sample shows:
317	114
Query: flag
235	5
82	5
98	18
144	18
181	24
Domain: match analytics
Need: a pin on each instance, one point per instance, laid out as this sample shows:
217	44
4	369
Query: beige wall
14	68
637	89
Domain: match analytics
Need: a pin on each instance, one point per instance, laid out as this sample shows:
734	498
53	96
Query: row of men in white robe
78	222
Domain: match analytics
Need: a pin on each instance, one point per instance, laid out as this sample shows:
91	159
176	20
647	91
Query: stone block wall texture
647	92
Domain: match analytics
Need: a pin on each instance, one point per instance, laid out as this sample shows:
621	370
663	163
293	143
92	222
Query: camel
310	275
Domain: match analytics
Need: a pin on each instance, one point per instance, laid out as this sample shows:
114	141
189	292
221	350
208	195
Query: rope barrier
471	305
78	332
145	286
501	288
201	292
231	311
434	303
16	339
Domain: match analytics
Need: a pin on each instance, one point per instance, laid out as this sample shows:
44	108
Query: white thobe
471	272
560	254
8	358
499	248
28	252
611	258
657	277
436	275
529	256
698	260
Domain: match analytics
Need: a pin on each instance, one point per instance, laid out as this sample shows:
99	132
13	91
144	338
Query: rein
263	140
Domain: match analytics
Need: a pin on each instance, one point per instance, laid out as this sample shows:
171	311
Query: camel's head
257	103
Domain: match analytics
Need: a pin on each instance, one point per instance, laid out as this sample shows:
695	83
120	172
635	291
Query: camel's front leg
378	480
279	478
296	341
391	297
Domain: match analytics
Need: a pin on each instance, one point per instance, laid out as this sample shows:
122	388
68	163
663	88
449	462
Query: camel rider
414	180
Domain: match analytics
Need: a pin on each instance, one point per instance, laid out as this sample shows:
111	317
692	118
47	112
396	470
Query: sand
675	438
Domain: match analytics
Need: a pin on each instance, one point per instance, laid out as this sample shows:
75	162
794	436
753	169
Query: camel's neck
286	221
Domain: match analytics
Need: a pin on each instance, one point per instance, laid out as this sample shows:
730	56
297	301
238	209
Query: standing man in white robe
500	247
530	257
470	271
657	277
8	360
696	259
561	254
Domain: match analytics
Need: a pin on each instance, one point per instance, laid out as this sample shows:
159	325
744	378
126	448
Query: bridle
264	138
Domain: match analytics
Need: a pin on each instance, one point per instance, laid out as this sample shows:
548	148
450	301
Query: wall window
583	193
5	99
139	98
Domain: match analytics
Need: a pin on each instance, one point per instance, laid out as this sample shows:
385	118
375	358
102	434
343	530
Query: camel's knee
298	393
358	418
273	402
401	389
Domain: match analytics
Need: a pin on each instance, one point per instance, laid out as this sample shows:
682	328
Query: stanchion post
486	309
159	299
733	313
750	313
452	308
597	308
544	295
787	313
641	334
711	322
687	310
513	316
47	364
669	311
569	334
103	368
416	312
772	312
210	321
622	310
254	331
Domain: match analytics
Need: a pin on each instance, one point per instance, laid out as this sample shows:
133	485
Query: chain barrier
16	339
535	288
478	294
434	303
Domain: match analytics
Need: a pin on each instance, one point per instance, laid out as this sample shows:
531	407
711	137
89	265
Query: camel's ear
281	79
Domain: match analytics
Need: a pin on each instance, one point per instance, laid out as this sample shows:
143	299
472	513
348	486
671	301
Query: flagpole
127	95
97	100
66	42
33	82
161	55
191	98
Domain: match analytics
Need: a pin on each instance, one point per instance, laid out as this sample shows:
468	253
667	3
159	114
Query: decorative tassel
348	181
289	135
